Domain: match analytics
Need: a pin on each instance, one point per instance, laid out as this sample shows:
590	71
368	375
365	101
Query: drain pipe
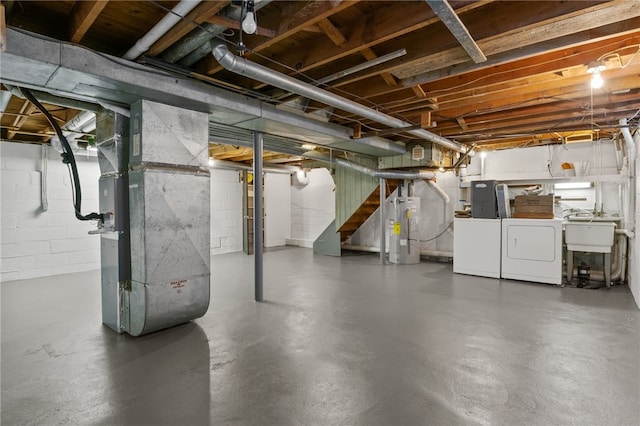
629	214
445	198
161	28
266	75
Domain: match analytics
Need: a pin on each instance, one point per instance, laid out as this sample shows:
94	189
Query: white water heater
404	219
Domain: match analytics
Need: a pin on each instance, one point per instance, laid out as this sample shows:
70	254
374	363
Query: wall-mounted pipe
161	28
632	154
266	75
447	202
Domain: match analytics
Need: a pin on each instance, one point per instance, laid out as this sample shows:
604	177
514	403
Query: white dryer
532	250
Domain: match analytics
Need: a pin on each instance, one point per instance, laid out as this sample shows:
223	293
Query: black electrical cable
67	158
437	236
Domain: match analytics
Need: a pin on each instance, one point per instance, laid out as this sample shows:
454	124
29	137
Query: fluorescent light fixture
572	185
308	147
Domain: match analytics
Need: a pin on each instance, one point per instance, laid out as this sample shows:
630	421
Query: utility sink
589	236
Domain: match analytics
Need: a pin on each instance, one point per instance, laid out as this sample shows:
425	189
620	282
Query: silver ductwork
266	75
380	174
169	192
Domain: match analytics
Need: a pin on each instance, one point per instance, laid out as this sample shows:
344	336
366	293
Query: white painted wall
435	217
313	207
37	243
277	206
226	211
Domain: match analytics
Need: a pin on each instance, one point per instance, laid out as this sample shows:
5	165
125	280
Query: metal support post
383	222
257	214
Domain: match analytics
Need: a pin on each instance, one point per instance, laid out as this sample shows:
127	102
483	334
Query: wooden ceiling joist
83	15
198	15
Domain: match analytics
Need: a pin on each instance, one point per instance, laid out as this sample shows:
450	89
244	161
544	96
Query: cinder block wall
312	208
226	212
37	243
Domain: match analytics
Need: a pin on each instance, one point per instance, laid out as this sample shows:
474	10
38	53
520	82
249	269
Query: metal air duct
263	74
380	174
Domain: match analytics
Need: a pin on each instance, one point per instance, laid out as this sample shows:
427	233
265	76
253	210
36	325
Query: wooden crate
533	207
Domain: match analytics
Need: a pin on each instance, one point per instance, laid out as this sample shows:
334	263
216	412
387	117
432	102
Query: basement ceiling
533	88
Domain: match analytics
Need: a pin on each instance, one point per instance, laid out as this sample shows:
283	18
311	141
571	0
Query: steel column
383	222
257	214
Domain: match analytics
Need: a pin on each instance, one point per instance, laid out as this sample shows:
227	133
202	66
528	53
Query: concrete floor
339	341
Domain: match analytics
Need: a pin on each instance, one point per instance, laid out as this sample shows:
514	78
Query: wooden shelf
545	178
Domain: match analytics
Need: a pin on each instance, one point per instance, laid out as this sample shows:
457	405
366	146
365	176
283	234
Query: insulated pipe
202	35
161	28
629	214
5	97
445	198
439	191
266	75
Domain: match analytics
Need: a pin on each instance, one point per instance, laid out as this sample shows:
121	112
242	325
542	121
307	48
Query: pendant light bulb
249	24
596	80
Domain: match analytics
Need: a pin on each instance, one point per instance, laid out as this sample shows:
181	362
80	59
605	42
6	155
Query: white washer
532	250
476	247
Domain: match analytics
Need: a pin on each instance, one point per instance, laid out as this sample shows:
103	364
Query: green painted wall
352	188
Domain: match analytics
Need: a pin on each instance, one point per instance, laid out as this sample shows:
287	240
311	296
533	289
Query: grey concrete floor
338	341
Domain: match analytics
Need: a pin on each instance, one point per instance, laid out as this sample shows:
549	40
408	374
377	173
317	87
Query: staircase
365	210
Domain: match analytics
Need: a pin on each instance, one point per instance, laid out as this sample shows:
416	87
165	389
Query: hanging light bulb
595	68
249	24
596	80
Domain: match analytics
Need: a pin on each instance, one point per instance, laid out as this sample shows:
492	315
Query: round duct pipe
266	75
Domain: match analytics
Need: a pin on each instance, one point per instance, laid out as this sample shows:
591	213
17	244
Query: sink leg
607	269
569	265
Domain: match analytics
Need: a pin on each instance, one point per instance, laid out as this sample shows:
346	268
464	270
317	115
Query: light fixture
595	68
483	154
441	169
212	162
308	146
249	24
572	185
